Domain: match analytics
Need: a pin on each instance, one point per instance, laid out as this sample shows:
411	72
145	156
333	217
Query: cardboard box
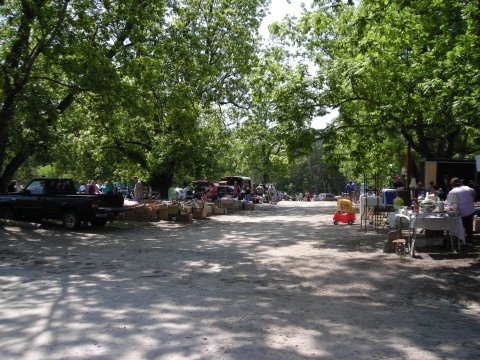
219	210
476	225
229	205
151	214
200	213
185	217
185	210
163	213
135	214
174	210
249	206
199	205
210	208
142	213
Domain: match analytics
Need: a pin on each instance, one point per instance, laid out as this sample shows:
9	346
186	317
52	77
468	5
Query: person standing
172	193
272	194
108	187
398	183
212	192
186	190
137	190
350	190
248	191
355	192
12	186
92	187
259	190
463	196
82	189
236	189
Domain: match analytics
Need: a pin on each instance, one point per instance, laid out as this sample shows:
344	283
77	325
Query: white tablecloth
370	201
452	224
396	219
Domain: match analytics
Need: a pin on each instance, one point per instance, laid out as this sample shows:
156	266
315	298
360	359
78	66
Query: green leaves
398	73
135	81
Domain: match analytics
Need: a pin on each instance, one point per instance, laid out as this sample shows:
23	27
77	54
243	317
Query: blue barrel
389	195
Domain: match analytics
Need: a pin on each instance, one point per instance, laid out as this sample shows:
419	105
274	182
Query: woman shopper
463	196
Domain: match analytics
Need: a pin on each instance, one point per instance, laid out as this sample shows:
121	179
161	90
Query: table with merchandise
450	221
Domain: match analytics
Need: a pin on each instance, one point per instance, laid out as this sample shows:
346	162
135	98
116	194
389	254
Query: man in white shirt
464	197
137	190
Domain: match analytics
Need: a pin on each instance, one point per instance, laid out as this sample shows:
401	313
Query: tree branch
73	87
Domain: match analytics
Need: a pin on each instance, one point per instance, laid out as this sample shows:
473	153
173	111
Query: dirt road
281	282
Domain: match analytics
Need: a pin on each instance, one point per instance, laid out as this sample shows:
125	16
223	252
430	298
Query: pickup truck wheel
70	220
99	222
6	213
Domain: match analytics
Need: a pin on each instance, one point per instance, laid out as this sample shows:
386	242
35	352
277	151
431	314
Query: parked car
326	197
200	187
224	190
55	198
242	181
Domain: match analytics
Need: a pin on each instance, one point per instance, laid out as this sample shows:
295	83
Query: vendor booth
440	171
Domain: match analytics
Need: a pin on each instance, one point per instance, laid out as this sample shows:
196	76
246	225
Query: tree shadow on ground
230	289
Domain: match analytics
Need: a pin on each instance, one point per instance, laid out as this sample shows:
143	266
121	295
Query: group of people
92	187
267	193
308	196
15	186
212	192
239	191
209	192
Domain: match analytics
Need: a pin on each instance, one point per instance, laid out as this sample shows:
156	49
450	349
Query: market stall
450	222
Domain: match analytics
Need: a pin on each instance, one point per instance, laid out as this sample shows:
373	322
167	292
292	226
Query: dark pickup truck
54	198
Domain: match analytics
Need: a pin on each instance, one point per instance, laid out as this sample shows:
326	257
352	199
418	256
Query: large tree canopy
193	70
175	89
54	52
277	128
142	75
400	72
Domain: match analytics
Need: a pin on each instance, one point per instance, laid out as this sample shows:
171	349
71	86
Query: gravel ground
280	282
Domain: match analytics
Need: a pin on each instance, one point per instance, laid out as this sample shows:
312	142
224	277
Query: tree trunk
162	178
